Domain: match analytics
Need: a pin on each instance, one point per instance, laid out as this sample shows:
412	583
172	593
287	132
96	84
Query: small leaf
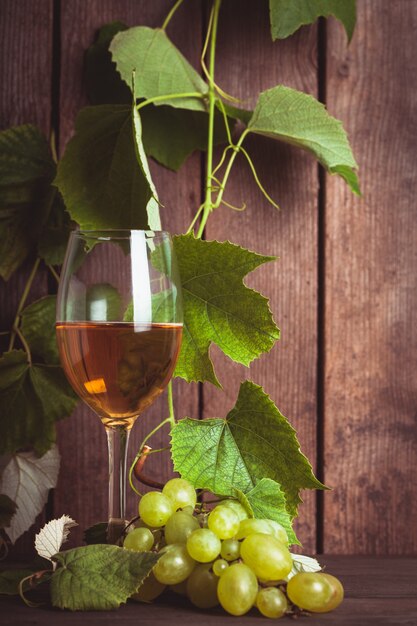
299	119
32	398
50	538
26	171
10	580
7	510
98	577
99	177
96	534
287	16
104	84
38	328
26	479
303	563
267	501
255	441
160	68
219	308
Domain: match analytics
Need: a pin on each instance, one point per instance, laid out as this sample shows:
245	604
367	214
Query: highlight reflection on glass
119	329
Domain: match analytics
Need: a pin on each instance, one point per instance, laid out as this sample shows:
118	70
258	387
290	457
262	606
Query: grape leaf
38	328
98	577
99	177
26	171
299	119
160	68
303	563
267	501
7	510
255	441
50	538
26	479
287	16
219	308
32	398
170	134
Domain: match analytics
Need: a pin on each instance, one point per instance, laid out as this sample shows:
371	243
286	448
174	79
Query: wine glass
119	329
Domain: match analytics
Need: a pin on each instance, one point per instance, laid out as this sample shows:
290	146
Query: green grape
174	566
155	509
179	527
189	510
268	557
271	602
279	531
224	522
180	588
181	492
149	589
236	507
249	526
230	550
315	592
203	545
220	566
338	591
237	589
139	539
202	587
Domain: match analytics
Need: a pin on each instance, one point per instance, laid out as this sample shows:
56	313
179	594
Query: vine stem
208	205
171	13
15	327
168	420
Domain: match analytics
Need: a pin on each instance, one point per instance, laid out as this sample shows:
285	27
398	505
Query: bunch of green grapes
223	557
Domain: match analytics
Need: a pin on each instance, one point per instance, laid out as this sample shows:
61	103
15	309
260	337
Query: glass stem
117	439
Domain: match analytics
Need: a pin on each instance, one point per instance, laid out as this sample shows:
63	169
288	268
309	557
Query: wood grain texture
247	63
371	289
82	488
25	97
377	593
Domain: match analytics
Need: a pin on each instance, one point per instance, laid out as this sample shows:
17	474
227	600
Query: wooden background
344	290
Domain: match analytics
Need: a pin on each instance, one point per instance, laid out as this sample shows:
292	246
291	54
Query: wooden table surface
379	591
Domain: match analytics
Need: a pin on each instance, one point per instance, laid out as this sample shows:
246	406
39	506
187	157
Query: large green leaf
299	119
160	68
255	441
288	15
32	398
219	308
26	170
38	328
267	501
99	177
98	577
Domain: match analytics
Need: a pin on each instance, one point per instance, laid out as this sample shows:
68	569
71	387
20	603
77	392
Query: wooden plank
25	97
371	295
393	606
82	489
247	63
